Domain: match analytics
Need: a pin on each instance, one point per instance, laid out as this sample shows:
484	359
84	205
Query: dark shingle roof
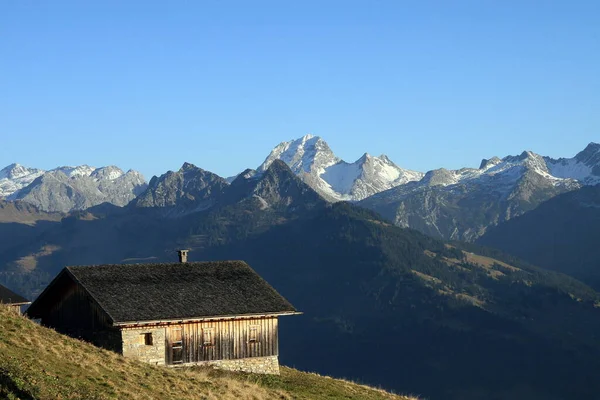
150	292
7	296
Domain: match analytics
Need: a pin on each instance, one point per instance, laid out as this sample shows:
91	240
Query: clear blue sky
150	84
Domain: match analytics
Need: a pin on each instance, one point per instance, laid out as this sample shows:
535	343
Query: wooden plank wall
75	314
230	339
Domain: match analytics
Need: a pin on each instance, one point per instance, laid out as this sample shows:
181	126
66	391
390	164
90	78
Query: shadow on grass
9	387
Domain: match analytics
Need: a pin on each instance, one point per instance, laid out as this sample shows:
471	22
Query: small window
253	332
148	339
207	337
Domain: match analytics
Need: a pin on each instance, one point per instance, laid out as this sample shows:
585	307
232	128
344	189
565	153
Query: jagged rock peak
278	186
485	164
590	155
301	155
278	165
279	170
69	188
15	177
187	167
311	158
526	154
14	171
189	189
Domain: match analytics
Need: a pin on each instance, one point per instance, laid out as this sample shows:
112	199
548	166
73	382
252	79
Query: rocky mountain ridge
189	189
311	158
451	204
65	189
15	177
462	204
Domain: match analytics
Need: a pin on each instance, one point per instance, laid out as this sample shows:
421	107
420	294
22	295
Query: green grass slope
39	363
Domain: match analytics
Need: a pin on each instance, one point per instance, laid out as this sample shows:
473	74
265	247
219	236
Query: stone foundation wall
257	365
134	345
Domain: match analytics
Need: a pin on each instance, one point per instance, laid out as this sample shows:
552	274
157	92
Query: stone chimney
182	255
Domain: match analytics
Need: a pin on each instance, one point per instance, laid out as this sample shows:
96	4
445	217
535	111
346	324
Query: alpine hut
218	313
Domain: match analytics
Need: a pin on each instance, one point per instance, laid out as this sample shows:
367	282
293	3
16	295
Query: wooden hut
12	300
218	313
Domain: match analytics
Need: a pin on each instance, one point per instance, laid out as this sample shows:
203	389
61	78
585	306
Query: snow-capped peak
110	173
584	167
67	188
301	155
16	171
80	170
15	177
487	164
311	158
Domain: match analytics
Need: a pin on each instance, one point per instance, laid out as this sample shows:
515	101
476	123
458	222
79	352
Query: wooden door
176	345
207	343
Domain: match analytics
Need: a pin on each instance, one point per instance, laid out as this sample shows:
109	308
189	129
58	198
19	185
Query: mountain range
382	304
66	189
449	204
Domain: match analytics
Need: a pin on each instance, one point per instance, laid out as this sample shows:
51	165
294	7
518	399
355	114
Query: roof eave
31	311
201	319
94	299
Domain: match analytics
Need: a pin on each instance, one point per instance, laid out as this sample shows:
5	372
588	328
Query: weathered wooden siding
77	315
221	340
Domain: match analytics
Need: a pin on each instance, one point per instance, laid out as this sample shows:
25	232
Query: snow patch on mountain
78	171
110	173
341	176
462	204
69	188
15	177
584	167
500	172
311	158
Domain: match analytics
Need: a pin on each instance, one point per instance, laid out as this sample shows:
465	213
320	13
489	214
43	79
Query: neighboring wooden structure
221	313
12	300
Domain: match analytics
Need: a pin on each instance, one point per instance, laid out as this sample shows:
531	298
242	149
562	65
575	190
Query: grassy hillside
38	363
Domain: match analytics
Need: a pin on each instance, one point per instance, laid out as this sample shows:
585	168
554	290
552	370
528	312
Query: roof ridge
159	263
161	291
